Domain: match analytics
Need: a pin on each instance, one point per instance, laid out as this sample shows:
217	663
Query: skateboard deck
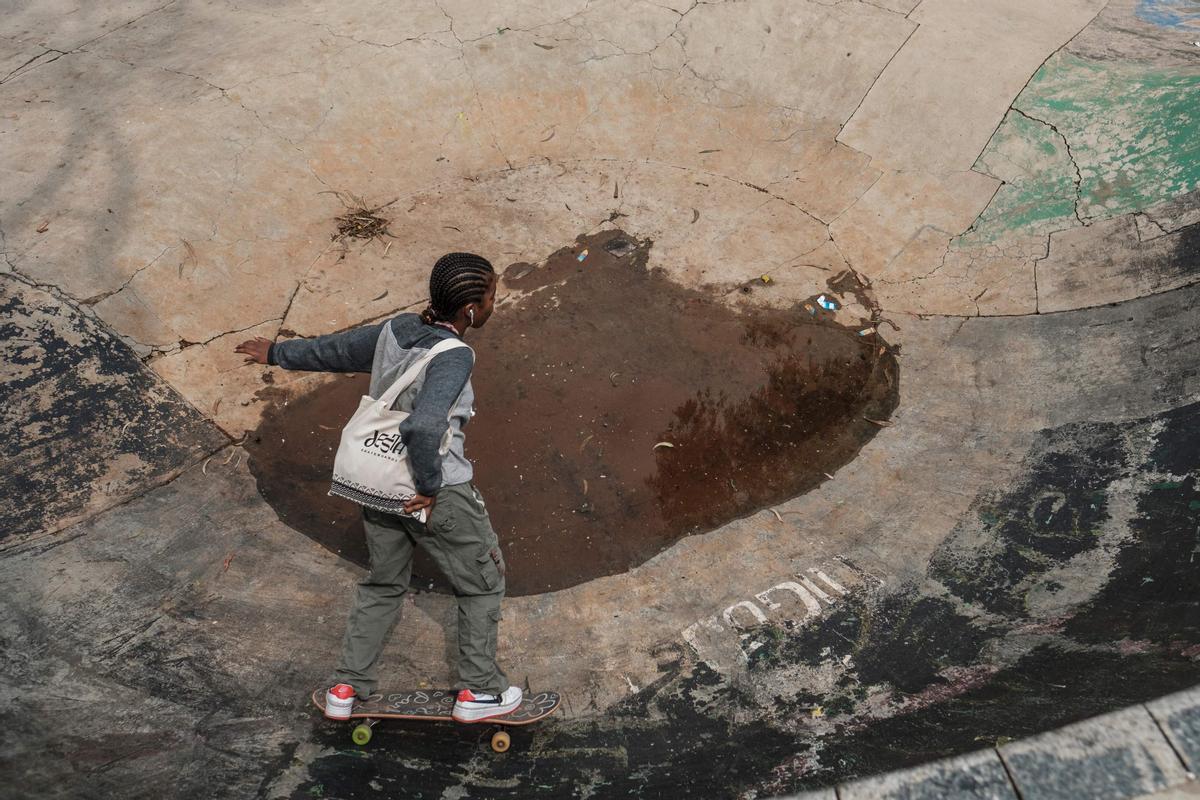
435	705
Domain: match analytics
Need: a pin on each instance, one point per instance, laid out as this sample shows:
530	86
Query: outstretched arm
348	351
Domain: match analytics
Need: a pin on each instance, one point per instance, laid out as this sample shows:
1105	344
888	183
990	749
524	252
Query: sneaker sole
493	715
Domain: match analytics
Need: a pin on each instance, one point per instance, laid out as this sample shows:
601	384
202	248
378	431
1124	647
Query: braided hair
456	279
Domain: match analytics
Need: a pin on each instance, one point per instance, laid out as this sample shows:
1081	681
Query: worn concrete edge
37	539
934	779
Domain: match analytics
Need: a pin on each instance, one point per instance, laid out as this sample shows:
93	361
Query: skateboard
435	705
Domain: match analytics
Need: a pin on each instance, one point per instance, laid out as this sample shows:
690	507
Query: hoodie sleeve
422	432
348	351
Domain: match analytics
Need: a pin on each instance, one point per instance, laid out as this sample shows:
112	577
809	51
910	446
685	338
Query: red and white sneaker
475	706
339	700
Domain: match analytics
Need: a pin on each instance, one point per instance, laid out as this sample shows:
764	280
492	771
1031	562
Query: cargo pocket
491	568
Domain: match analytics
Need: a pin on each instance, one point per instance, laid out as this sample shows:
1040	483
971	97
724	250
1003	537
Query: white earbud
471	314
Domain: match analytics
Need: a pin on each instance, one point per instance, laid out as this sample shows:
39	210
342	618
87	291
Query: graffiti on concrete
801	598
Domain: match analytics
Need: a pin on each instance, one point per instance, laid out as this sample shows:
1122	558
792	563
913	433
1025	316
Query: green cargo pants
459	537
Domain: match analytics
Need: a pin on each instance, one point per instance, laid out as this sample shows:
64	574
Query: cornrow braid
456	279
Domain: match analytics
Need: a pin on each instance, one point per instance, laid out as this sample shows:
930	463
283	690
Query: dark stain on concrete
921	673
1054	513
617	412
83	423
902	638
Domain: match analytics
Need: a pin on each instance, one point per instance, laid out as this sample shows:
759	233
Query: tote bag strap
388	397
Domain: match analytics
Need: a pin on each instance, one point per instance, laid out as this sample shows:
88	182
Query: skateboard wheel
361	734
500	741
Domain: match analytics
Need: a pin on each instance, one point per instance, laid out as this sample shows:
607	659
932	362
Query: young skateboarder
457	532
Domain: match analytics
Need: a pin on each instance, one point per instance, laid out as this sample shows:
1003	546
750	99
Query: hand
255	348
418	502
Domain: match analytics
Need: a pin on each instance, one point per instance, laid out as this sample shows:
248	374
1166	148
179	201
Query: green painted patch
1132	129
1038	195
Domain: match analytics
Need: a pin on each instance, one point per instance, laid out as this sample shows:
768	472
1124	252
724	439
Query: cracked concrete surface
171	175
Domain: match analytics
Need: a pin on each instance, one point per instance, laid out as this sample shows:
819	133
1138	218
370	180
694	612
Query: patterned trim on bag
357	493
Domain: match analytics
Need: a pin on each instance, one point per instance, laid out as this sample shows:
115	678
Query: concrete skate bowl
1001	539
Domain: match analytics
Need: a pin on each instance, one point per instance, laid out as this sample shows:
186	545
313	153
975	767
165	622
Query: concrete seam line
1012	781
1163	733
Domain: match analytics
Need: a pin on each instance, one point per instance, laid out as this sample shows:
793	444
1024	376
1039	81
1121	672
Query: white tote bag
372	467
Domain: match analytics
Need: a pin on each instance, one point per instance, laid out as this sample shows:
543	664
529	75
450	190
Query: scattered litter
585	486
582	255
45	226
217	405
620	247
385	291
827	475
776	513
545	46
229	457
612	378
385	252
809	308
326	427
662	444
551	136
883	423
204	466
866	331
695	216
827	303
702	152
583	444
766	279
228	561
817	711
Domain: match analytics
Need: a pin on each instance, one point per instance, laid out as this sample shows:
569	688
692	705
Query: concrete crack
94	299
1070	155
14	73
423	37
462	57
230	333
21	70
863	99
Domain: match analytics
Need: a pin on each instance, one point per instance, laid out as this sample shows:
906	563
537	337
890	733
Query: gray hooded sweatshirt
442	396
